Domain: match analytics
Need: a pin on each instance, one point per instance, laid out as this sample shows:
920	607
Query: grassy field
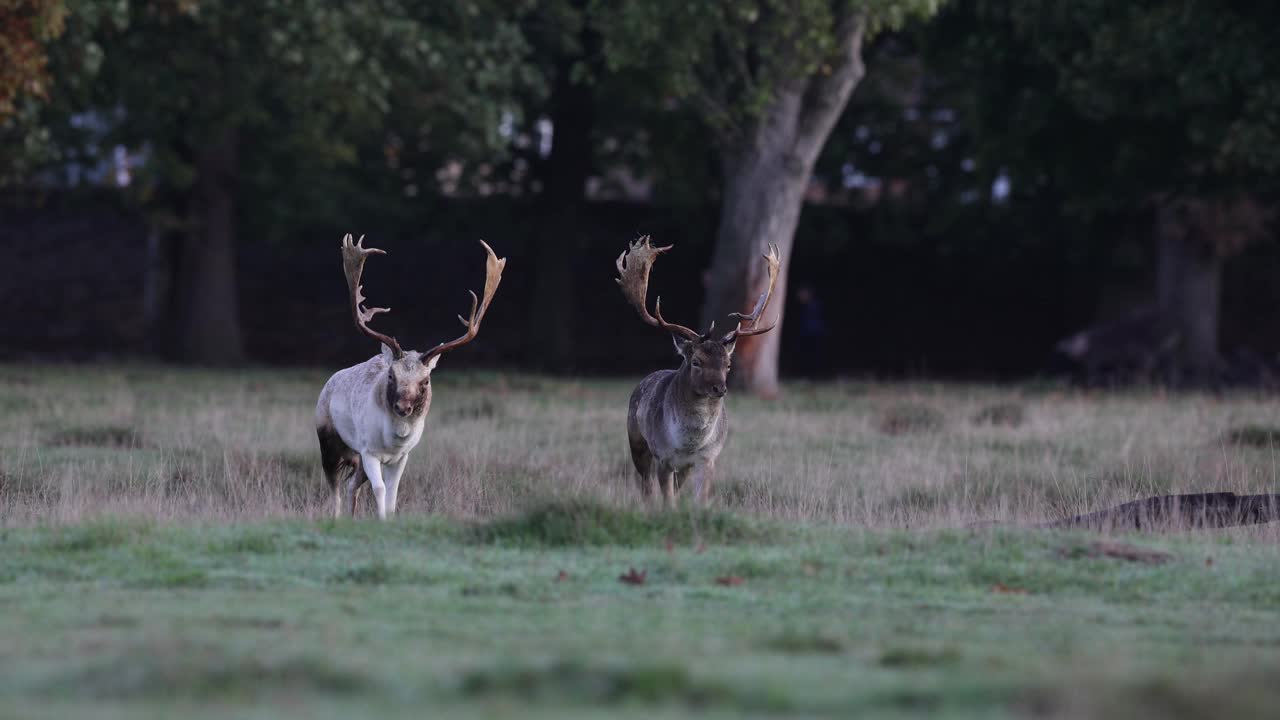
166	550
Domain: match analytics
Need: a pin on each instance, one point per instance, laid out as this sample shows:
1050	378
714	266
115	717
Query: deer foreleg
702	478
667	482
373	471
391	476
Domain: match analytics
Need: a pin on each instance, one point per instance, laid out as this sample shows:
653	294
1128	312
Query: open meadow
869	548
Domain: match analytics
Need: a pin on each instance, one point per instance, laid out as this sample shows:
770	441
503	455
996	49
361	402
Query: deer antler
634	265
492	276
747	323
353	257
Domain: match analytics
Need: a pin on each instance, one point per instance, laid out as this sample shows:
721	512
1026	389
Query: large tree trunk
550	344
761	206
1189	291
208	330
766	172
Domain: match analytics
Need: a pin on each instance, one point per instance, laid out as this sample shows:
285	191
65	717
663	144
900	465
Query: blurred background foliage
974	187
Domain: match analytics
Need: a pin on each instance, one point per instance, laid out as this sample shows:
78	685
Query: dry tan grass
179	445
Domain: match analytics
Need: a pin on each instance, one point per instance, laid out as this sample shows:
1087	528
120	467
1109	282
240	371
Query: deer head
409	373
706	357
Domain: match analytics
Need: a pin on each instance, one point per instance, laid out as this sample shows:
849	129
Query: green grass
422	616
166	551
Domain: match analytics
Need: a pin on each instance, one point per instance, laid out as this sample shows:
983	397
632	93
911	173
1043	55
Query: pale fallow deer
676	421
371	415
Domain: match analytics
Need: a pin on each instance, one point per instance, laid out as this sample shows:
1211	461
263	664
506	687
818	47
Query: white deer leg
391	476
373	471
702	483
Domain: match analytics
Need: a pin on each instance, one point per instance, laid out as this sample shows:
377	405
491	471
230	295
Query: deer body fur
675	435
361	433
370	416
676	420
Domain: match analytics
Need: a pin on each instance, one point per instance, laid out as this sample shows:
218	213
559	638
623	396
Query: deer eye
697	364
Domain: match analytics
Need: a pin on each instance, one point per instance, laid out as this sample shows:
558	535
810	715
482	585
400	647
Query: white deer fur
363	406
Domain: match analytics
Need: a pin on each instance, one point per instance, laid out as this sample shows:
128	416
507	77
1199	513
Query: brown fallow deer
371	415
676	422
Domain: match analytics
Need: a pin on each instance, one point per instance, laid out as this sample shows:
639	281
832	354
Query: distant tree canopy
230	102
26	26
1161	104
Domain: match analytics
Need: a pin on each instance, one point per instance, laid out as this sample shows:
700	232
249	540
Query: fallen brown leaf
1002	588
729	580
633	576
562	576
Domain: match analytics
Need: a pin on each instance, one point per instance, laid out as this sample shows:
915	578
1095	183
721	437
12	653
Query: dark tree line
271	116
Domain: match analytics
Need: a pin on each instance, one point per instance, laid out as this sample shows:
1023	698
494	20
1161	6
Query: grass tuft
96	535
805	643
916	657
380	572
651	684
910	419
580	522
1254	436
197	674
102	436
1006	414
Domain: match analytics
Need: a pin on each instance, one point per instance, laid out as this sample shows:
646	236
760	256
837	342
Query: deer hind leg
338	461
644	462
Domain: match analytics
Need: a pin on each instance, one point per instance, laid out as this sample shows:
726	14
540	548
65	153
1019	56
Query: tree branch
829	90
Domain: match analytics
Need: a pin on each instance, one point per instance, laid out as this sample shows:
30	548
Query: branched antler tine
465	322
747	323
634	265
479	305
353	257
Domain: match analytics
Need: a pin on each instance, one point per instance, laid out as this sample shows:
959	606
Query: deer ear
729	346
682	346
387	354
431	362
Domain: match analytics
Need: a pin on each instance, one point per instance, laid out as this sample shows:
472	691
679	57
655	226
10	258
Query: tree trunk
208	330
766	172
550	344
1189	291
761	206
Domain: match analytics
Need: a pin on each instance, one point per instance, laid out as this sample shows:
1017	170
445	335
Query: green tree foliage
1123	101
1171	107
232	103
26	26
769	78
